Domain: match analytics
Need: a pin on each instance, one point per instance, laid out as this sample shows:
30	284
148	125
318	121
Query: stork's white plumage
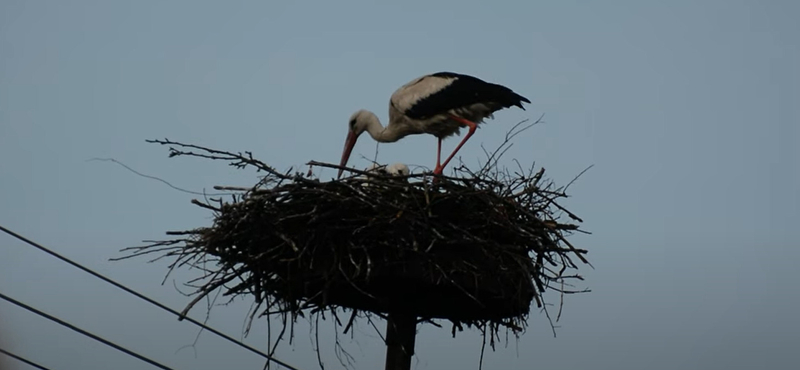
394	169
438	104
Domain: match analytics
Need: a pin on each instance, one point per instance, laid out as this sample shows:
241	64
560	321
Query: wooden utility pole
401	332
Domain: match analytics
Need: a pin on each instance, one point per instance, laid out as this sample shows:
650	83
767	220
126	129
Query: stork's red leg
439	156
472	127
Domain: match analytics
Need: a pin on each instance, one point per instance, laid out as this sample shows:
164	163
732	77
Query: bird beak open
349	143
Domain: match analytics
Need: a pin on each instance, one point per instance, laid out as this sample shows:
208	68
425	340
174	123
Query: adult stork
438	104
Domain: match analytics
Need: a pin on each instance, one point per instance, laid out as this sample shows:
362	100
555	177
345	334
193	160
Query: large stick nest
477	248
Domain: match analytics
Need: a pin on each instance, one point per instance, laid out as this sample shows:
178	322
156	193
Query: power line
84	332
145	298
22	359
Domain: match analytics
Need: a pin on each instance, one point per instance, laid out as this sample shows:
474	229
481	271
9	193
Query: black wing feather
464	91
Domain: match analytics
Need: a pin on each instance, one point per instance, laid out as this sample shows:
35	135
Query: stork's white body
394	169
441	124
438	104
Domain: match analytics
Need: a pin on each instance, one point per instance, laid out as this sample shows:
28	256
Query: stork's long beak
349	143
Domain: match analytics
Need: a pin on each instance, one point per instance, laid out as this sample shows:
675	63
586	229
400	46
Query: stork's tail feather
511	99
507	97
519	99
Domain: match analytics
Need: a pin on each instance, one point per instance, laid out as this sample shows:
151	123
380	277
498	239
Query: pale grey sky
688	109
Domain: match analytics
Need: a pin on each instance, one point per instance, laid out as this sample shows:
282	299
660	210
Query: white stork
438	104
394	169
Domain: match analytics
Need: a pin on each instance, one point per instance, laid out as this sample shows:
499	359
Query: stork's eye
352	123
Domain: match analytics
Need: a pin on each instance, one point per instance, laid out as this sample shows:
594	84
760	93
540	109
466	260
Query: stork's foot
436	173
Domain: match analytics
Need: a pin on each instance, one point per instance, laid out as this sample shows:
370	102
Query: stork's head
359	122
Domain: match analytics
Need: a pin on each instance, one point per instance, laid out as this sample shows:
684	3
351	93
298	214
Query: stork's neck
388	134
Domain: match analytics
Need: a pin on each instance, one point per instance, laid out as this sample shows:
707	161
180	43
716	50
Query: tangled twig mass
475	249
